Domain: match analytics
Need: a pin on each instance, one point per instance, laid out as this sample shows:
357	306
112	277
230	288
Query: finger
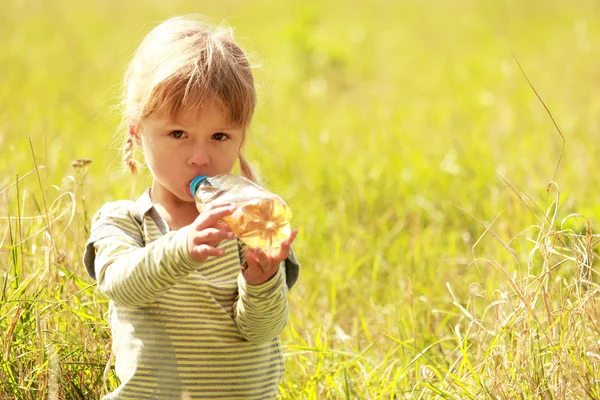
284	250
204	251
223	226
215	205
289	240
251	259
212	216
212	236
263	259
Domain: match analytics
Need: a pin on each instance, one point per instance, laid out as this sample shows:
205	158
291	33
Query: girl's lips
187	189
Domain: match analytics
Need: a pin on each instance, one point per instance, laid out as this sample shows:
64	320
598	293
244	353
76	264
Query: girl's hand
207	231
260	266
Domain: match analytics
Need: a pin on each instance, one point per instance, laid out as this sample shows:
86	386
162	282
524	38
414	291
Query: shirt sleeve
127	271
261	311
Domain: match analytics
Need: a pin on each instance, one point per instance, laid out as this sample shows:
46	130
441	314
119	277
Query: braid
248	171
128	159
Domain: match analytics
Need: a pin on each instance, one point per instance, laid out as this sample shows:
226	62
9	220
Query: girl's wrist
259	281
256	287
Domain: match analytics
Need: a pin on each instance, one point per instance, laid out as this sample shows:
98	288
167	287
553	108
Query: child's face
176	151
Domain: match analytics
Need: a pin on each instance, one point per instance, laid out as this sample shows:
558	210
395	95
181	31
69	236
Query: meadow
449	229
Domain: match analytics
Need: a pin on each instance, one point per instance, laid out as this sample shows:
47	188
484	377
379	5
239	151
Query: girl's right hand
208	230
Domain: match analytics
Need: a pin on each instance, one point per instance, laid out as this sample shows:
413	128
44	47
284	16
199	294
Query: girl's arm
261	311
134	274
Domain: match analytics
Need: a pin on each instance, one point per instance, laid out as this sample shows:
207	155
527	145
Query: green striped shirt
183	329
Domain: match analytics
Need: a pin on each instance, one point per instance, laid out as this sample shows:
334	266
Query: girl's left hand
262	266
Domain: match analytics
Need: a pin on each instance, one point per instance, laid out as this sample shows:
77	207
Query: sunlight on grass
438	259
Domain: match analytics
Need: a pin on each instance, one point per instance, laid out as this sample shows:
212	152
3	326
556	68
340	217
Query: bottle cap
196	182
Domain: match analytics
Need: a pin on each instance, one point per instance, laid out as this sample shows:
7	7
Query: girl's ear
134	133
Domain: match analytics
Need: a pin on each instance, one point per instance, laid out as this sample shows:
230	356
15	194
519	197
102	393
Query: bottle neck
196	182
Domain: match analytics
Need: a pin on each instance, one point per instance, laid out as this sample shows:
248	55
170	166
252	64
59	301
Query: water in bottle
262	219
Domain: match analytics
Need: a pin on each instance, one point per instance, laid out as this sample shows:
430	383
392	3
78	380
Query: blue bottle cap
196	182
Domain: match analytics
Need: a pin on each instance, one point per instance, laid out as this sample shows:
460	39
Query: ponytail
248	171
128	159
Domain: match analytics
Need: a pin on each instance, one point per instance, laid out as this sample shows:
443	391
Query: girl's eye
220	136
177	134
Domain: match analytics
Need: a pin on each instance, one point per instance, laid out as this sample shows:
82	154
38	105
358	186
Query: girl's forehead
212	113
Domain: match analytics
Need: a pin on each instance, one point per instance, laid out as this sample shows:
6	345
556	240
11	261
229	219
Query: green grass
438	262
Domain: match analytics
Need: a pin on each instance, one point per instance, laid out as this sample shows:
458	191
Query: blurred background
398	132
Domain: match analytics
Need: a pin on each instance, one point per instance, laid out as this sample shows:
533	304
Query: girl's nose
199	157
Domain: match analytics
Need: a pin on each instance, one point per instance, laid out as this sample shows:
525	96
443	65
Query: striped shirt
183	329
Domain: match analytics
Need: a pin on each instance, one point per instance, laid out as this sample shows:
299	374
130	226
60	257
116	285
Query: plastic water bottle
262	219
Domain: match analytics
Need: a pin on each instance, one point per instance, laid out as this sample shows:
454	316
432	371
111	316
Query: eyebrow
216	129
174	124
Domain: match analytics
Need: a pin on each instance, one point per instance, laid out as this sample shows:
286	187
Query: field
448	229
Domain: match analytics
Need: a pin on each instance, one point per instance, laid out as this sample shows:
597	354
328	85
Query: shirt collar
143	206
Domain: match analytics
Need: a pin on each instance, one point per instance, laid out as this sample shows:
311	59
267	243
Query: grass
439	261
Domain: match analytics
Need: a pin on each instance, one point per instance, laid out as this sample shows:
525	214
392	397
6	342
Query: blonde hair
184	63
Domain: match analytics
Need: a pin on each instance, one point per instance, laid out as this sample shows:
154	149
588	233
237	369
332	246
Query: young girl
193	313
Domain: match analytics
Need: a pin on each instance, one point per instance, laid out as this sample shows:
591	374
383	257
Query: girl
194	314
